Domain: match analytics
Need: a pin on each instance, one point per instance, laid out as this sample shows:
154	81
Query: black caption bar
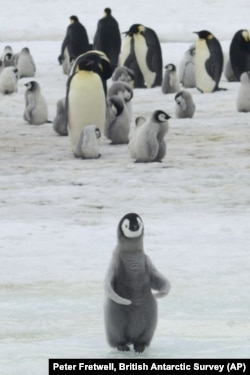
211	366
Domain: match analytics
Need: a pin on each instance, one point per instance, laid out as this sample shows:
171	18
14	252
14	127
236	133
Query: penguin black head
135	29
131	226
73	19
95	61
98	133
107	11
170	67
204	34
160	116
178	95
8	56
32	85
117	102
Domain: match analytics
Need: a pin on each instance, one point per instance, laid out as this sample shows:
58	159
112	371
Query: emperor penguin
147	143
25	64
88	143
8	57
141	52
187	68
107	37
123	90
170	83
239	52
131	311
118	125
124	74
36	108
60	121
208	62
185	106
8	80
243	97
86	94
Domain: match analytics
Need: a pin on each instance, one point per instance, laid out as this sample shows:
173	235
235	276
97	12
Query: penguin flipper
157	280
109	290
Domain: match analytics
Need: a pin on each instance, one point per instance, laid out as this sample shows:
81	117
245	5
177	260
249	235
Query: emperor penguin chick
170	82
185	106
131	308
8	80
243	98
25	64
147	143
124	74
60	121
88	143
187	68
118	124
8	57
125	91
36	108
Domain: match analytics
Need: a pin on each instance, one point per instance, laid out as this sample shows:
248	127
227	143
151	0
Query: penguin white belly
125	50
204	81
86	104
141	50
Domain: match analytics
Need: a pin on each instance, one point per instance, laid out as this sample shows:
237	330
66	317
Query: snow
59	214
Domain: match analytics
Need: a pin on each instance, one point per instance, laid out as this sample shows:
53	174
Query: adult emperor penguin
88	143
36	108
187	68
239	52
60	121
25	64
118	125
130	311
147	143
243	97
108	38
124	74
141	52
170	83
185	106
123	90
8	80
85	97
208	62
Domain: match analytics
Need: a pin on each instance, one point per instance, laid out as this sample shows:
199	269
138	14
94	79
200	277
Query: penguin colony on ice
93	107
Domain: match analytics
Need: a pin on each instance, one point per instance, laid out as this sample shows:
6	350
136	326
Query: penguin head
160	116
204	34
107	11
98	133
137	28
115	104
95	61
178	97
245	42
32	85
25	50
131	226
73	19
170	67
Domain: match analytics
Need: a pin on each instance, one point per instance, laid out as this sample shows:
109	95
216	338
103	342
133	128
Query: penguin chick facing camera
130	311
146	142
88	143
243	97
36	108
185	106
170	82
208	62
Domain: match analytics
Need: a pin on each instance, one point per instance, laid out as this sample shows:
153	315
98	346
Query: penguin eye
162	117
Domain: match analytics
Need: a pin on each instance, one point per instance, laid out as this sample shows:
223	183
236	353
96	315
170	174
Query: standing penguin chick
108	38
187	68
8	80
239	52
141	52
25	64
60	121
8	57
170	83
125	91
124	74
208	62
243	98
185	106
36	108
88	143
118	124
131	308
147	142
85	97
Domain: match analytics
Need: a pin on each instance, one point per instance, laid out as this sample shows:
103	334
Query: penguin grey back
185	106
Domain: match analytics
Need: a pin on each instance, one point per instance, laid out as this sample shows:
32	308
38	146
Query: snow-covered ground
59	214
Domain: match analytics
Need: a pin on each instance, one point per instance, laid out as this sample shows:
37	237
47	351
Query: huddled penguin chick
124	74
170	82
60	121
88	143
8	80
243	98
25	64
185	106
7	57
118	124
36	108
147	143
228	71
208	62
123	90
187	69
130	311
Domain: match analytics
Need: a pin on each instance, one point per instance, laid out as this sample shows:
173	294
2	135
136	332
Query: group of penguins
90	109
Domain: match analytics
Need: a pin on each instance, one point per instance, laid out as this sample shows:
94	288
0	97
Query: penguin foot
123	348
139	348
